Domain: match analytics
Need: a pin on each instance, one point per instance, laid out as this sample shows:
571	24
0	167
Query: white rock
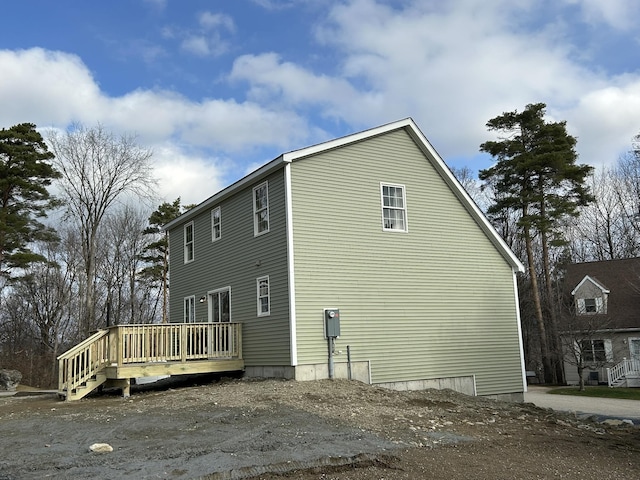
101	448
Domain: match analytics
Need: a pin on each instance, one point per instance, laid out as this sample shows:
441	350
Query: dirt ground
321	430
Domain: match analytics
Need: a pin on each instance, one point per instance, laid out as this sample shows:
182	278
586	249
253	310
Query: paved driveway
602	407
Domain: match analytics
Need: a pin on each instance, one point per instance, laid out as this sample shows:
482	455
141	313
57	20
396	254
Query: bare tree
98	170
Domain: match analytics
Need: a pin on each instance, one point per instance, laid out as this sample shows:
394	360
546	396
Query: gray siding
237	260
437	301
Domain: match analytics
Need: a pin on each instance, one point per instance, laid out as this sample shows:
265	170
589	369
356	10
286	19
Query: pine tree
536	176
25	174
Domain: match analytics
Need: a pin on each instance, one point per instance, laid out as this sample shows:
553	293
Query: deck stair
624	374
113	356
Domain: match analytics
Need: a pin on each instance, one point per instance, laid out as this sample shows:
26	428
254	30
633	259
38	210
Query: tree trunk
535	292
557	372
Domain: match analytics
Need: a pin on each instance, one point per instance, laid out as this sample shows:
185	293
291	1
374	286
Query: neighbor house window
190	309
593	351
590	306
220	305
264	302
394	208
216	231
261	209
188	242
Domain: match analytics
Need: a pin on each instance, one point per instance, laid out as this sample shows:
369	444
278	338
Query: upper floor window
590	306
394	208
189	309
261	209
216	230
188	242
264	297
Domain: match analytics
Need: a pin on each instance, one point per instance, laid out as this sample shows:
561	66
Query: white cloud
618	14
212	21
191	177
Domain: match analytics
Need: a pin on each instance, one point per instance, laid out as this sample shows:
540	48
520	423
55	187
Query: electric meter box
332	322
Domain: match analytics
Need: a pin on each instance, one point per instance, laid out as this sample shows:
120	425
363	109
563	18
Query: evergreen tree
25	174
536	176
156	253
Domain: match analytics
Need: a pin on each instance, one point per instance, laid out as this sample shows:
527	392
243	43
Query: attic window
590	306
394	208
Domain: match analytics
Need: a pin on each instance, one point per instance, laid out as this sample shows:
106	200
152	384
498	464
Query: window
260	209
188	242
593	351
590	306
189	309
264	303
394	208
220	305
216	231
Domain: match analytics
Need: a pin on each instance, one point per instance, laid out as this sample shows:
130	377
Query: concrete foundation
464	385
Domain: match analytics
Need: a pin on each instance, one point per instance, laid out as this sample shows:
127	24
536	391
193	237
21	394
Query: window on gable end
394	208
216	225
260	209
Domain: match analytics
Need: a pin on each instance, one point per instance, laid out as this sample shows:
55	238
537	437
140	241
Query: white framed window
261	209
264	296
188	242
590	306
189	309
216	226
394	208
220	305
596	351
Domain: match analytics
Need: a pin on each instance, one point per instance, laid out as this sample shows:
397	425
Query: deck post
183	343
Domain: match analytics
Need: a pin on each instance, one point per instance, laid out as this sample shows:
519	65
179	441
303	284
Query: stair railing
81	363
625	367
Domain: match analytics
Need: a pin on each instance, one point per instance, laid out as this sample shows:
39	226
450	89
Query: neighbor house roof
620	279
421	141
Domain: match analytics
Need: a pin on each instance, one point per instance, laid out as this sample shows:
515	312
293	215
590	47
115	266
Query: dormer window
591	297
590	306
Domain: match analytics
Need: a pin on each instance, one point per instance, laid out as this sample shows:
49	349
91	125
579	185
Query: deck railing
142	344
626	367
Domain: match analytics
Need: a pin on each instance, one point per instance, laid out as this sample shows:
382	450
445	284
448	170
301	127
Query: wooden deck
114	356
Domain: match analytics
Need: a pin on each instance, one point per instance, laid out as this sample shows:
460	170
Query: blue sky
216	88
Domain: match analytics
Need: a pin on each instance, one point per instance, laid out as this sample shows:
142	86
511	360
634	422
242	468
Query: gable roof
592	280
422	143
622	280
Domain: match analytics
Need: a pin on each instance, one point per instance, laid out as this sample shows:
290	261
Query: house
360	257
602	322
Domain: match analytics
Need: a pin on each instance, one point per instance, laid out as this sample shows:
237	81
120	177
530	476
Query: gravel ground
320	430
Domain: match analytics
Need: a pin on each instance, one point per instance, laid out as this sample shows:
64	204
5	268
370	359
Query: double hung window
394	208
261	209
264	296
188	242
216	227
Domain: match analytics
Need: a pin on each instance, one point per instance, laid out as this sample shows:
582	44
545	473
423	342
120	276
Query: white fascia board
463	196
587	278
218	197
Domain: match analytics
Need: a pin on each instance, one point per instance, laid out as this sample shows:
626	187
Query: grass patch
602	392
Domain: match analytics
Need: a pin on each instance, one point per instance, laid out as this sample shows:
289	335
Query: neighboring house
374	225
603	322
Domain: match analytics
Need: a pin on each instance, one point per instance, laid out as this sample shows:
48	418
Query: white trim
213	236
256	233
519	323
423	144
192	308
290	267
193	242
210	293
259	311
587	278
404	207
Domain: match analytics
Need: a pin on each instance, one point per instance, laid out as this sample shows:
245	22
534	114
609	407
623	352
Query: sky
216	88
